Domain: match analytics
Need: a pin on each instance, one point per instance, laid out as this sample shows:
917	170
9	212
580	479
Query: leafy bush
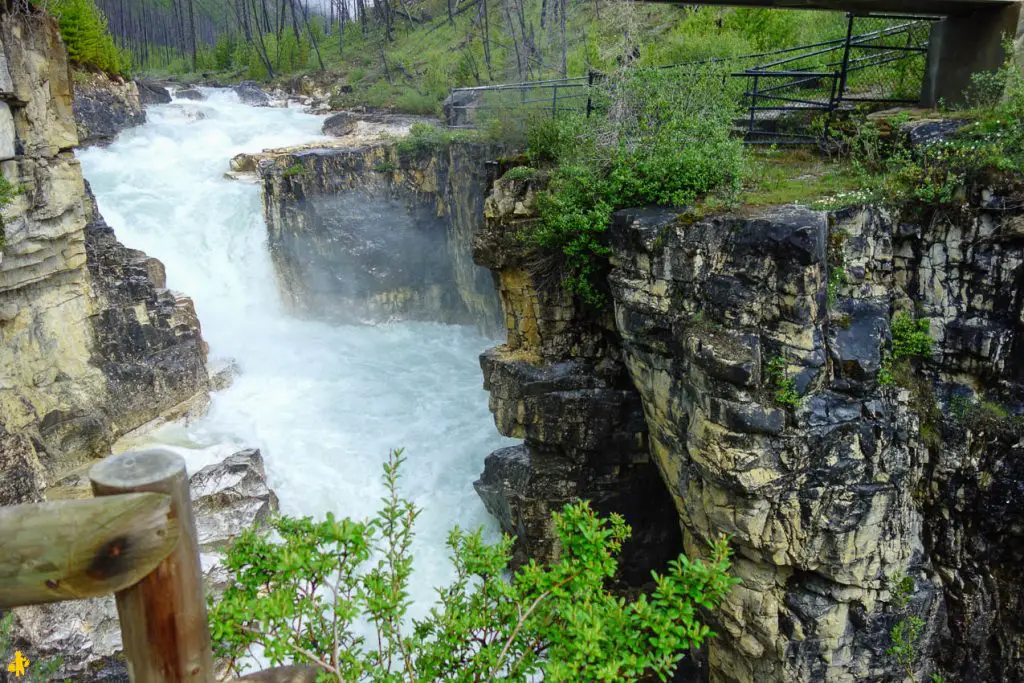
84	30
664	138
303	599
424	137
910	339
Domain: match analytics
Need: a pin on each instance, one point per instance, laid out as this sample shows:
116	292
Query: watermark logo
18	665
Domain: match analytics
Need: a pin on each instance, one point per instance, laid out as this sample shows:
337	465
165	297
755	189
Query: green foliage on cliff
660	137
89	44
781	384
920	180
305	597
910	339
8	191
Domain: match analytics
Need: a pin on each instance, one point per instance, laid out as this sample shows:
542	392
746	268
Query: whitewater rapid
324	403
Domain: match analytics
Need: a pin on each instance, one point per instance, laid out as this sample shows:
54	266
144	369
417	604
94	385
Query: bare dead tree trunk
192	29
561	32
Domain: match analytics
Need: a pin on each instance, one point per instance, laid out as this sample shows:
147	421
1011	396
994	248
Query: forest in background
408	54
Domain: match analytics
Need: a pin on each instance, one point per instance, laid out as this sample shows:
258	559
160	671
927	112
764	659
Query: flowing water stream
323	402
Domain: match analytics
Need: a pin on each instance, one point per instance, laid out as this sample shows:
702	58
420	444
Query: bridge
967	40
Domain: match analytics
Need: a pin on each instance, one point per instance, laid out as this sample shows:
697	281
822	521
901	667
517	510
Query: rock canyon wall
867	480
92	344
829	500
369	233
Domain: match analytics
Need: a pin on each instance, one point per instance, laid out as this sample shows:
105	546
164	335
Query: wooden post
163	617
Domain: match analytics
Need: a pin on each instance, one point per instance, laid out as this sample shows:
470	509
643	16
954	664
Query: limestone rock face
560	384
827	500
104	107
828	497
149	342
227	498
91	344
368	234
39	90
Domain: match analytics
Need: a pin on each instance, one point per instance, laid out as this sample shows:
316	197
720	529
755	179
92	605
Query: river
323	402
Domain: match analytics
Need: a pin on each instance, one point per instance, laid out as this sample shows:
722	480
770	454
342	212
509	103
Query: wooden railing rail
137	540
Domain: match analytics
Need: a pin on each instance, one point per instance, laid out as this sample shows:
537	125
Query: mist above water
324	403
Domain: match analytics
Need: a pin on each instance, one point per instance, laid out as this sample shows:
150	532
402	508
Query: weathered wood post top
163	617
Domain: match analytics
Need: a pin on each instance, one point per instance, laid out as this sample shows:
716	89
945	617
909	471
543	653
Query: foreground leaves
310	595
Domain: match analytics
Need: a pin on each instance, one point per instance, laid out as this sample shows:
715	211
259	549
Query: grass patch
799	176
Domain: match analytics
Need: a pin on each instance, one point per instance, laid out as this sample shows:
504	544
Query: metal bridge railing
881	59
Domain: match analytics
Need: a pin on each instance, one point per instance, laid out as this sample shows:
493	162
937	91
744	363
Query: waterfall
323	402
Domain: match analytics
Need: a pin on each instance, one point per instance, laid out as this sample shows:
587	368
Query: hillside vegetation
408	55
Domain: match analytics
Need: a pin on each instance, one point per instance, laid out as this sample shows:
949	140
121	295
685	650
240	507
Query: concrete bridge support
965	44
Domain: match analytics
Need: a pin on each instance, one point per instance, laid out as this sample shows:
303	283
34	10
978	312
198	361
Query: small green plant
37	671
293	170
8	191
313	594
836	279
520	173
781	383
385	167
906	632
910	339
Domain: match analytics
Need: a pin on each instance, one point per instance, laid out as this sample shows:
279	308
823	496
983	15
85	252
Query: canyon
661	405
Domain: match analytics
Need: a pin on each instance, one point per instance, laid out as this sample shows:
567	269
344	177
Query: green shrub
84	30
910	339
424	137
925	179
663	138
293	170
412	101
781	384
520	173
303	598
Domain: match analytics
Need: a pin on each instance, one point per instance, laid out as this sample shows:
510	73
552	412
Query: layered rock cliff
371	233
92	344
105	106
831	496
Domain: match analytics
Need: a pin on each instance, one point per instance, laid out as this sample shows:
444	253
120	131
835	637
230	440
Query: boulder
340	124
227	497
189	94
152	92
250	93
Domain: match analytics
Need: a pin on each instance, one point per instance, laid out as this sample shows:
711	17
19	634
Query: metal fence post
163	617
753	104
590	93
554	102
846	56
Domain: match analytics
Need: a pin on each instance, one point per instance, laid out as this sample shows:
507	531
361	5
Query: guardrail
137	540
